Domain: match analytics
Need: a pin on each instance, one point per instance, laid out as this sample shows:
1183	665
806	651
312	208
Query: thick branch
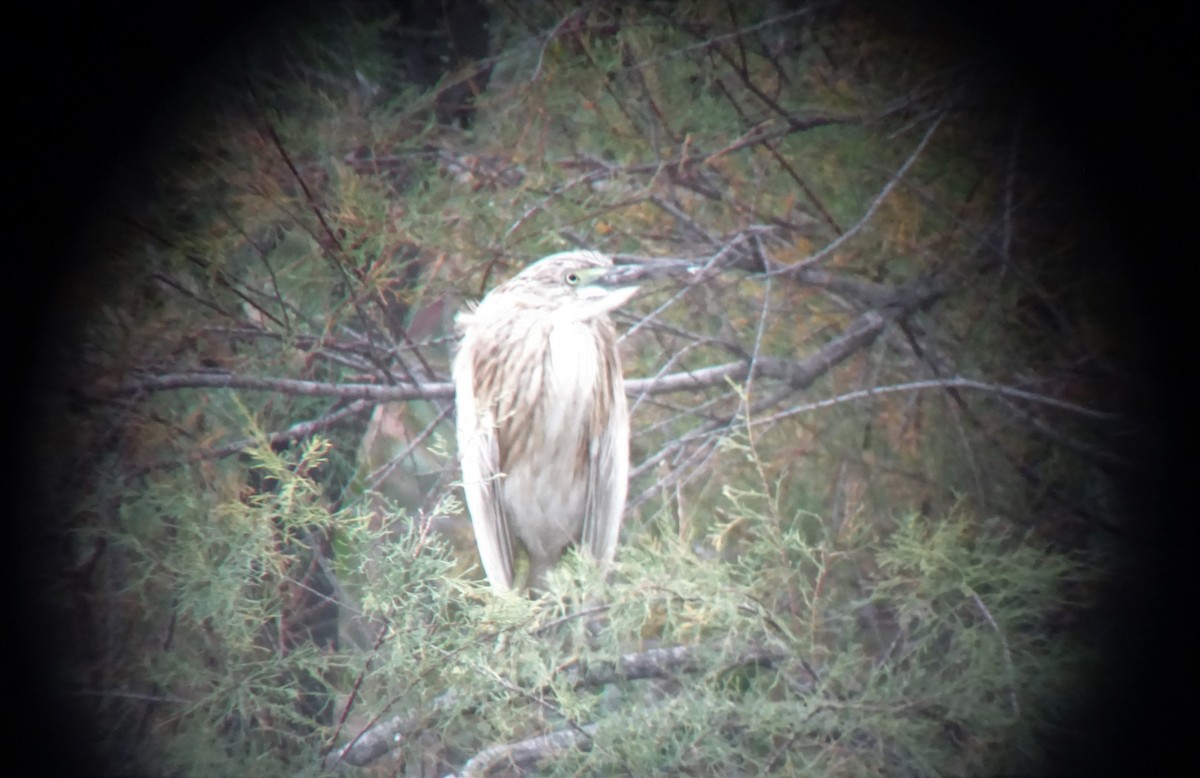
525	754
292	386
655	663
663	663
797	373
295	432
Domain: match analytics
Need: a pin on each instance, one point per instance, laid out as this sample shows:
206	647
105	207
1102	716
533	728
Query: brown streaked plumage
543	427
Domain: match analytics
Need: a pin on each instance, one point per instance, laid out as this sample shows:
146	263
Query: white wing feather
480	456
607	482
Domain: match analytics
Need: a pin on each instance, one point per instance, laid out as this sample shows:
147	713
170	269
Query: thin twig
943	383
295	432
871	209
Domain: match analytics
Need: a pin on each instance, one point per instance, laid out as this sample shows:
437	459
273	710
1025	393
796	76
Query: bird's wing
481	482
480	456
607	478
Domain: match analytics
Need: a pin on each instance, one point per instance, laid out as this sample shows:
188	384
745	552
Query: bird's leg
535	581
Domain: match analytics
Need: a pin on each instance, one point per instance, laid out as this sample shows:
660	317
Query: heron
542	421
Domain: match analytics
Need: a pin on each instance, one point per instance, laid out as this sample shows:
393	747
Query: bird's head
573	283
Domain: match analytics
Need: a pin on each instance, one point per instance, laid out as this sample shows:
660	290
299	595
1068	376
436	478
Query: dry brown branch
796	373
295	432
527	753
666	662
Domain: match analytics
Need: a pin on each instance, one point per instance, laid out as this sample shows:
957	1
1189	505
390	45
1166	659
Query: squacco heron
543	426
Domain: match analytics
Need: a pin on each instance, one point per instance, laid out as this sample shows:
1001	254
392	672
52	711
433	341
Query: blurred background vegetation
877	437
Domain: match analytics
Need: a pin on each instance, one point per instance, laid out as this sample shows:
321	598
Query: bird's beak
621	275
627	275
598	281
603	291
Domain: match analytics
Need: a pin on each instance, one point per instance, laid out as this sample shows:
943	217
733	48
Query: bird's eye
571	278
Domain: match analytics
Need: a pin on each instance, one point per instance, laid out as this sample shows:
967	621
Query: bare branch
383	471
292	386
666	662
874	206
655	663
765	24
527	753
295	432
797	373
943	383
